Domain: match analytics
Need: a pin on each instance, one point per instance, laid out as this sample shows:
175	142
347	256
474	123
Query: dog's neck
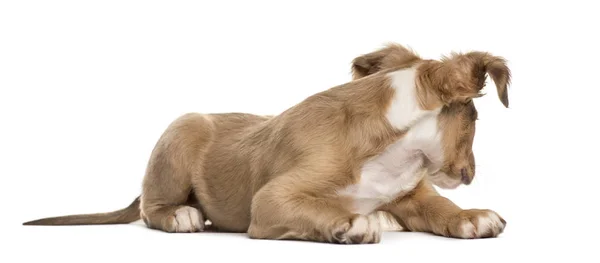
425	137
405	113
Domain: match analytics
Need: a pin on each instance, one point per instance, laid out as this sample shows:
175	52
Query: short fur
278	177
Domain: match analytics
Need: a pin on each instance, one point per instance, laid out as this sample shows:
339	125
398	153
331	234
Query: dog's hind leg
168	183
283	211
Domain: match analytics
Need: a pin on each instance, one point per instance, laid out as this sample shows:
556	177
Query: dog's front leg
424	210
283	209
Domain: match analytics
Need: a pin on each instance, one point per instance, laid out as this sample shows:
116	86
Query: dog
326	167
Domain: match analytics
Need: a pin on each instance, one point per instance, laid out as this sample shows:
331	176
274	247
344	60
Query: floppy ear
443	83
390	56
482	63
461	77
497	69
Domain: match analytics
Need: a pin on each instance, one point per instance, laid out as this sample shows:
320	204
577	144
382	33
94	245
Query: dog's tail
122	216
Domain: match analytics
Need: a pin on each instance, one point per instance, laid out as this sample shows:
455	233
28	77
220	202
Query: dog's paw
186	220
361	230
476	223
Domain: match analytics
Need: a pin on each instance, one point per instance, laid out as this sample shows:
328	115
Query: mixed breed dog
332	168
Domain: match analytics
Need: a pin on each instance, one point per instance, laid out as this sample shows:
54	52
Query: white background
87	87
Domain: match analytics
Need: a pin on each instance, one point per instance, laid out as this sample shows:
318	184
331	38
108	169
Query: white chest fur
397	170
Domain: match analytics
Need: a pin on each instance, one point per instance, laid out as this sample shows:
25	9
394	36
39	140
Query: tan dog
322	169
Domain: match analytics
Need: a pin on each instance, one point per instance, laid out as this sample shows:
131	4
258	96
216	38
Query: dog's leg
165	191
168	183
424	210
283	212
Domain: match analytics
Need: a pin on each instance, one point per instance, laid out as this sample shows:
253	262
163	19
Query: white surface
88	87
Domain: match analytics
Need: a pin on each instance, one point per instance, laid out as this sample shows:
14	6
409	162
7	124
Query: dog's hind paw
186	220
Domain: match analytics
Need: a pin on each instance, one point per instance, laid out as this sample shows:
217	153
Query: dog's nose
466	179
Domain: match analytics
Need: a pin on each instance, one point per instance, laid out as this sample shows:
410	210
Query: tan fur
276	177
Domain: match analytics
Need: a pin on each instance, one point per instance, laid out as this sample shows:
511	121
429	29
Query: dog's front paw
361	230
476	223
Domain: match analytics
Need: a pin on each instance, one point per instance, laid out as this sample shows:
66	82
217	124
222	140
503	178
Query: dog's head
452	83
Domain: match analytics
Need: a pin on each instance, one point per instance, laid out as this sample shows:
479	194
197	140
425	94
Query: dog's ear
461	77
496	68
391	56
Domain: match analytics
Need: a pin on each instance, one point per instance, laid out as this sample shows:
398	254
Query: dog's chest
394	172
